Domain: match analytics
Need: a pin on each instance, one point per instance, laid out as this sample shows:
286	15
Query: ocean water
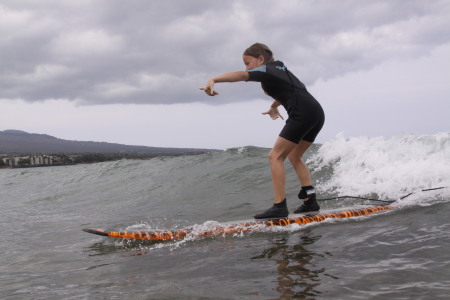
403	253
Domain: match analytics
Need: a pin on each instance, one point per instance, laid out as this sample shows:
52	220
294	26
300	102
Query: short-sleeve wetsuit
306	116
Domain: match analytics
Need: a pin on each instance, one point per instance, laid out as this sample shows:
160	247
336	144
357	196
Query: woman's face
251	62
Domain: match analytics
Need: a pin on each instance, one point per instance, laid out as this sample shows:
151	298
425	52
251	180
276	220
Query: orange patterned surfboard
218	230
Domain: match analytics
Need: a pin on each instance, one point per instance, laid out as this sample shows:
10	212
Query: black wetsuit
306	116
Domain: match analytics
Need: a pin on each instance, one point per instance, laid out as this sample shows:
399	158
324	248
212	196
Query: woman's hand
226	77
273	113
209	88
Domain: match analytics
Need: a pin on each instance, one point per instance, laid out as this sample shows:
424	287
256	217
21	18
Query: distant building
32	160
7	161
39	160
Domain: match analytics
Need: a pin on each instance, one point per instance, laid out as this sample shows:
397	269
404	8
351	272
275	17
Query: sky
129	72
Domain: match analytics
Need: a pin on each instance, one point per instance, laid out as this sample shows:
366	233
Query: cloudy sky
129	71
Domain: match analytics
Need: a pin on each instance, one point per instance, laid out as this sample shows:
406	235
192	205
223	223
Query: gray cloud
100	52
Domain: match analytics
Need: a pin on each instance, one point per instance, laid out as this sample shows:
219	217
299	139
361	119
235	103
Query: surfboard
238	227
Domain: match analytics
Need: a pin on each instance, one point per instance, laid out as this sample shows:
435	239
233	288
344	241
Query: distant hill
20	142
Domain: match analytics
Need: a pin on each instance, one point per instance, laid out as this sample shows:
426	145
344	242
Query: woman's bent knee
276	156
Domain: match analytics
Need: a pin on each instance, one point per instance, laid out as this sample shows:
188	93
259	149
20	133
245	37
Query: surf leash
380	200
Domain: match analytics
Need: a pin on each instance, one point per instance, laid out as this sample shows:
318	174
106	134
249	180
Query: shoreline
94	162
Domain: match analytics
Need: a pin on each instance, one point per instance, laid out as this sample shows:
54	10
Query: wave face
406	250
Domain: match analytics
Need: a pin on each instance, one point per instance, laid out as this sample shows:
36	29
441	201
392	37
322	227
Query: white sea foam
388	167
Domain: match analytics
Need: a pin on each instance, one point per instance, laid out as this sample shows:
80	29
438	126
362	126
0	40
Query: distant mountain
20	142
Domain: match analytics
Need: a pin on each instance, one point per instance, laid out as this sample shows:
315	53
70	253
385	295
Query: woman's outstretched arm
226	77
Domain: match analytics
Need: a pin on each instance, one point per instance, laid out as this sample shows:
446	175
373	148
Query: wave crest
389	167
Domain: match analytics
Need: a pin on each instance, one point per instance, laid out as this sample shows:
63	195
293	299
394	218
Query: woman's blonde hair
258	49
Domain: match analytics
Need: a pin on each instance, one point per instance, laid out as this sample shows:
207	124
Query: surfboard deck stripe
164	235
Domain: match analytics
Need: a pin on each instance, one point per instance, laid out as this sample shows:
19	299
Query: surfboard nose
96	231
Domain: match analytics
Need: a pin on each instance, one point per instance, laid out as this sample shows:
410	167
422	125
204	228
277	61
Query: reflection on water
298	270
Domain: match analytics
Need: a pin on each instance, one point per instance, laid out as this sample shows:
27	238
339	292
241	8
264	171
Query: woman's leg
295	157
307	192
277	156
